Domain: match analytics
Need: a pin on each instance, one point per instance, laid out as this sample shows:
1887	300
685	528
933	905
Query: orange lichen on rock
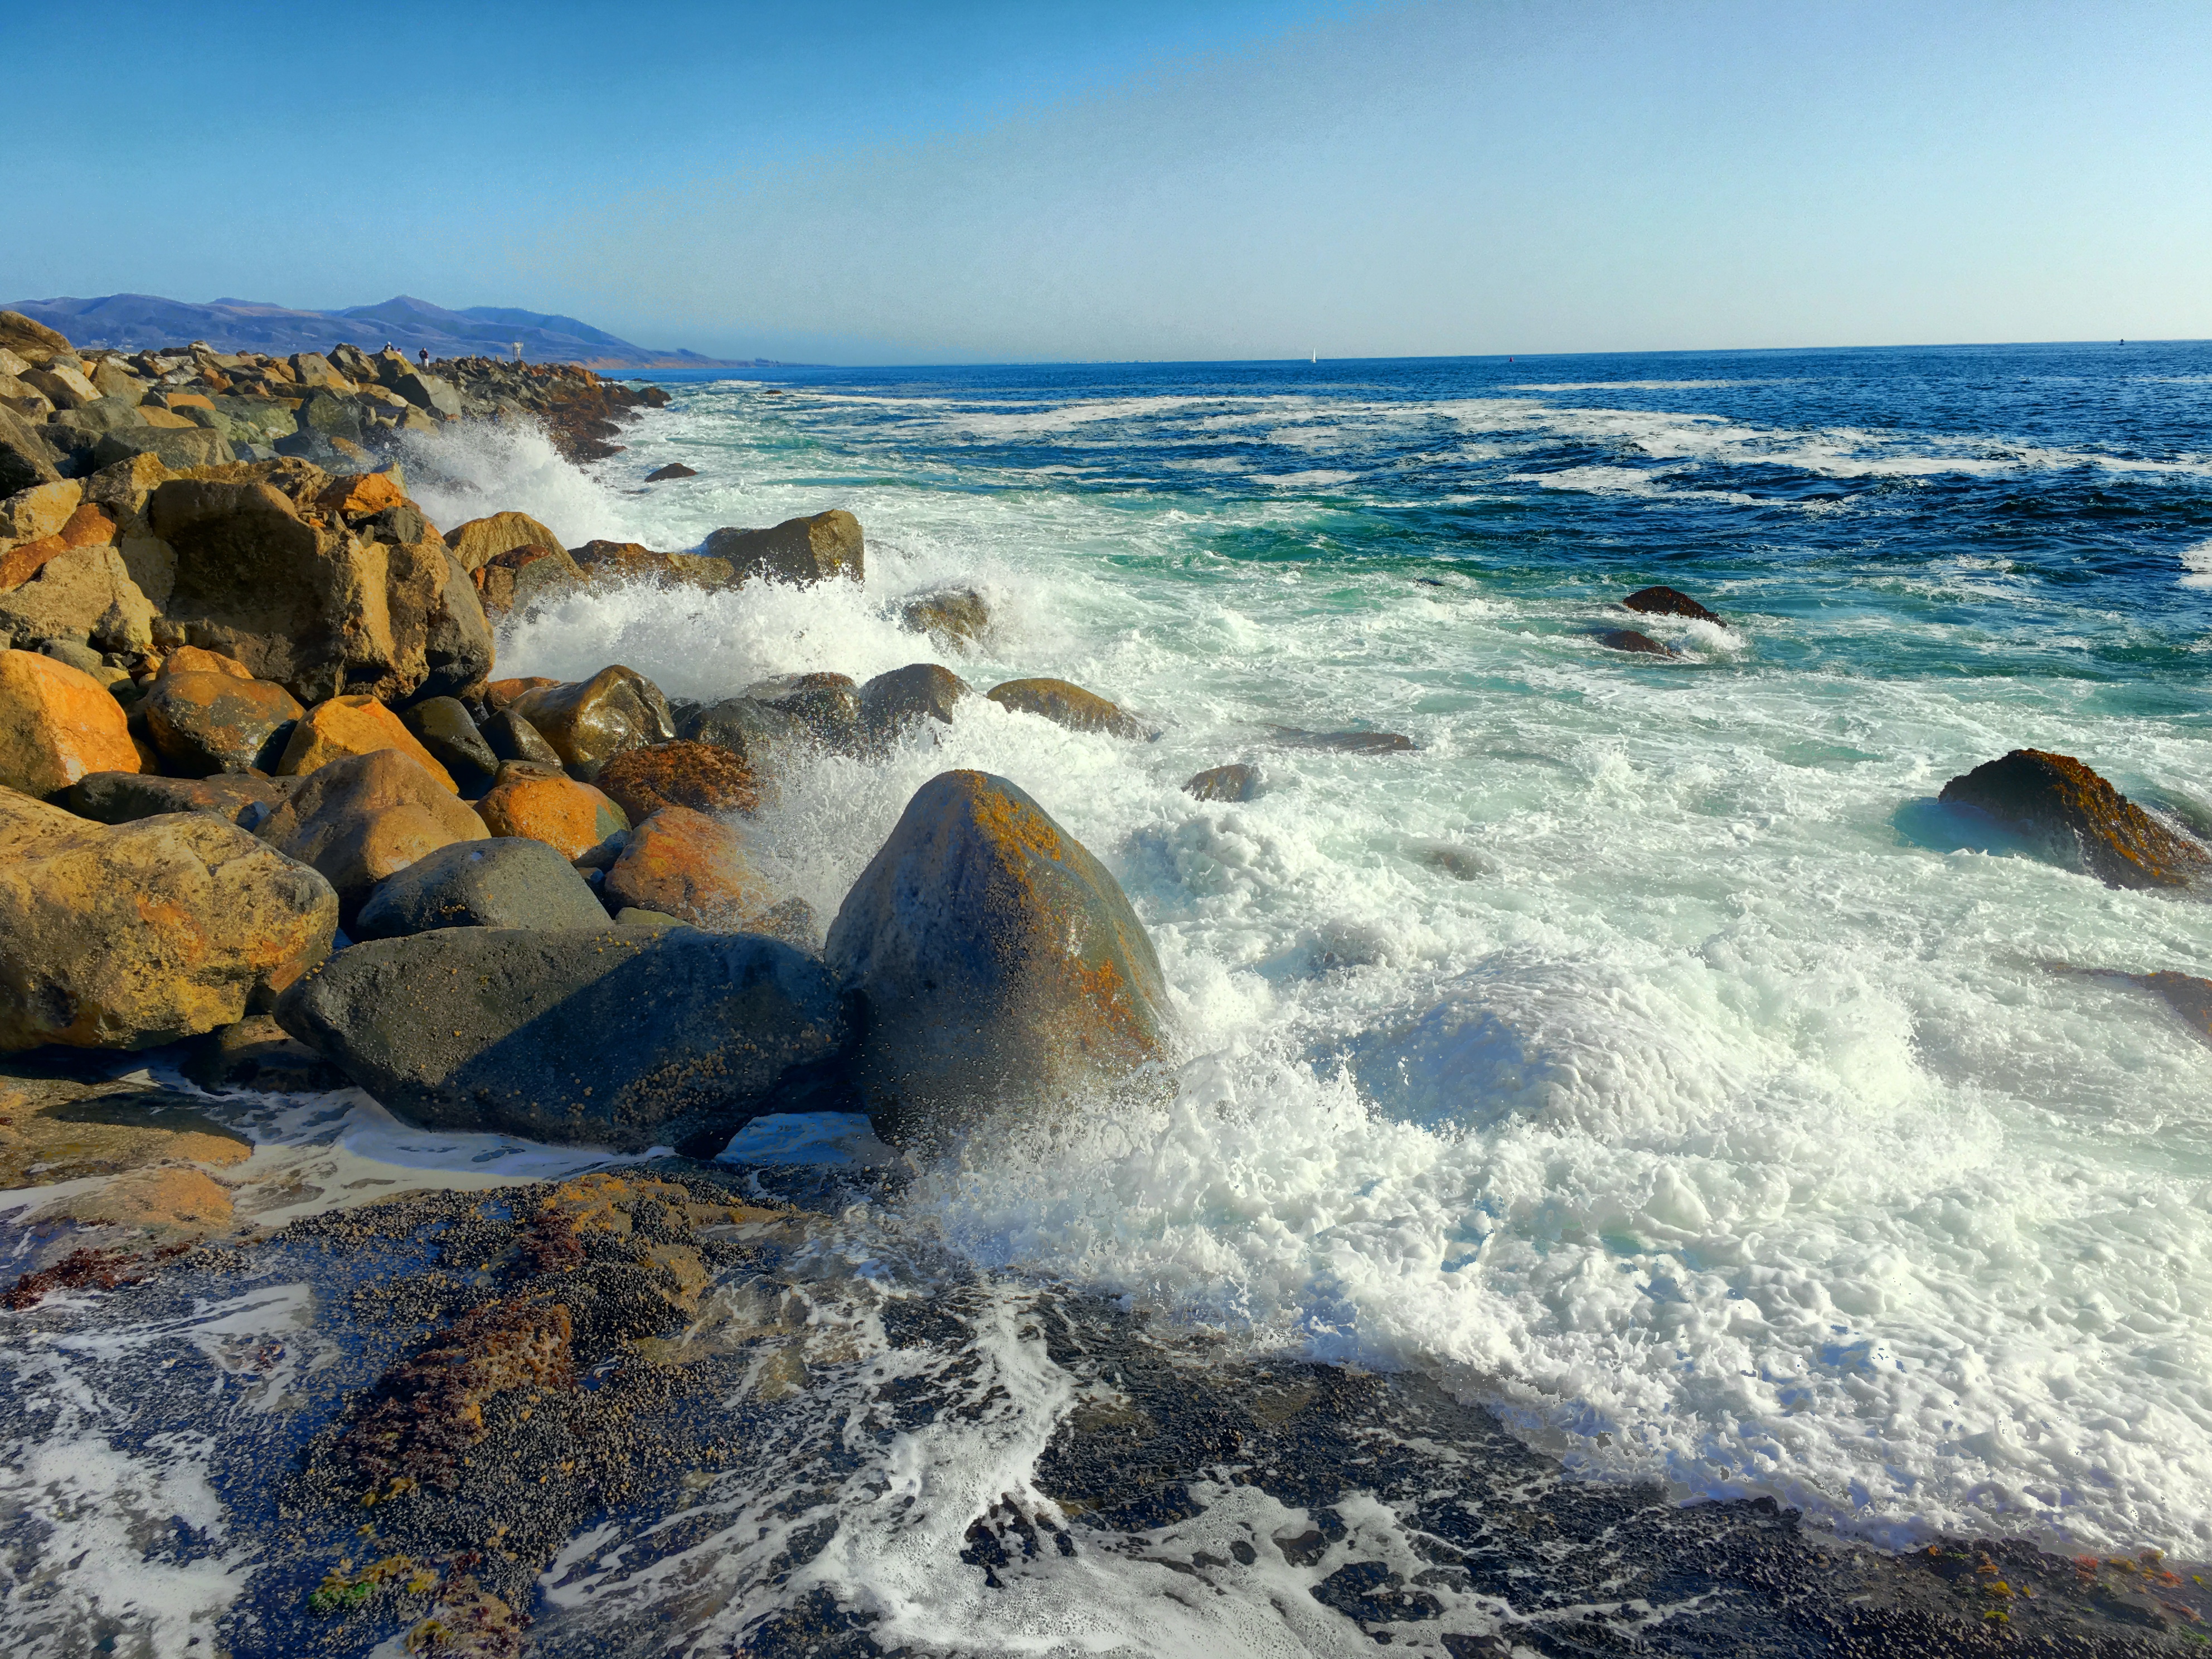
545	806
684	863
703	776
58	723
87	526
353	725
359	494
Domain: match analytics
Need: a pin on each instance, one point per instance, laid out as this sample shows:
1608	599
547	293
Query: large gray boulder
995	961
508	882
617	1036
801	550
750	730
891	703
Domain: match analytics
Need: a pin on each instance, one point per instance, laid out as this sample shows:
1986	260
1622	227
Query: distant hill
136	321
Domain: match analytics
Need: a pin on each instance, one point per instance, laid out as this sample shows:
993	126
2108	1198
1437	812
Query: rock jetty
256	759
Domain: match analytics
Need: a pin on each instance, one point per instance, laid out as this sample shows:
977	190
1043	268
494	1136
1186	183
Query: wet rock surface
1633	642
2074	818
1066	704
1233	782
994	958
646	1409
798	550
590	722
1668	602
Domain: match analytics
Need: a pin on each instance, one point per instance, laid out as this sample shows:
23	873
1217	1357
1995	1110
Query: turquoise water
1643	1054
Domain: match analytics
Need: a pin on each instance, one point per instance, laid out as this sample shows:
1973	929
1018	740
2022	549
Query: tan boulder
591	721
113	380
33	342
478	540
135	934
362	817
165	420
684	863
82	590
499	692
352	725
87	525
24	823
191	659
317	608
56	723
522	577
801	550
64	384
572	817
40	510
606	561
1066	704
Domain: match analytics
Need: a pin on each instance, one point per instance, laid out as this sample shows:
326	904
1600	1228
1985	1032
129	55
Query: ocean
1643	1057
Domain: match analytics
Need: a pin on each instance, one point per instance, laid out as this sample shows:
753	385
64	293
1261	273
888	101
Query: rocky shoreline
273	823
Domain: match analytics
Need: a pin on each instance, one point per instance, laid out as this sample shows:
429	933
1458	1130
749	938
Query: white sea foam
1621	1056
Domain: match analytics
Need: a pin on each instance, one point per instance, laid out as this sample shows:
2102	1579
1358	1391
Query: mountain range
138	321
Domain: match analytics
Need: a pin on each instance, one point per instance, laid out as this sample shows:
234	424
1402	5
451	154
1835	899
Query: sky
848	181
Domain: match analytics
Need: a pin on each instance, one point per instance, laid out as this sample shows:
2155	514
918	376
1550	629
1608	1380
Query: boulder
245	798
574	818
891	703
684	863
312	368
499	692
477	541
442	726
26	456
366	817
81	588
633	561
996	961
824	708
64	384
591	721
34	342
80	965
195	659
111	379
343	726
698	776
25	822
207	722
1068	705
85	525
1667	602
801	550
752	731
673	470
1235	782
2075	818
57	724
429	394
320	609
520	579
179	451
620	1037
37	510
1628	639
511	737
512	882
357	495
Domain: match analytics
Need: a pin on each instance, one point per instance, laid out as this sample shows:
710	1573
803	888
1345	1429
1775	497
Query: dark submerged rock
1235	782
1628	639
996	960
510	881
751	731
1066	704
673	470
613	1036
823	708
2075	818
1668	602
1343	743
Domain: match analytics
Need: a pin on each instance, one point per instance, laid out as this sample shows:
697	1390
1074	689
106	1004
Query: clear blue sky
849	181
